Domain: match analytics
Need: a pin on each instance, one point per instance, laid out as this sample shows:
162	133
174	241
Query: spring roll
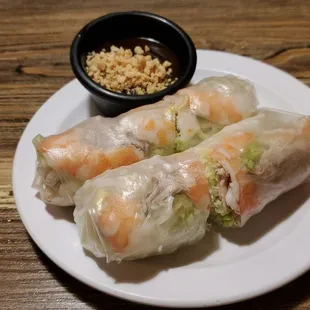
65	161
251	163
149	208
162	203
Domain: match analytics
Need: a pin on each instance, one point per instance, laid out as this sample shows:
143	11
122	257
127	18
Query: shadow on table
61	213
144	269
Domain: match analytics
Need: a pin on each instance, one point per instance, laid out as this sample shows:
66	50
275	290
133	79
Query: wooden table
34	46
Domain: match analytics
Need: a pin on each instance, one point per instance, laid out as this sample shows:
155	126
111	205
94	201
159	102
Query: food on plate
162	203
149	208
65	161
251	163
131	72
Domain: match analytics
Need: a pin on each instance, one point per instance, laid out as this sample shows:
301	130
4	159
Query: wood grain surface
34	46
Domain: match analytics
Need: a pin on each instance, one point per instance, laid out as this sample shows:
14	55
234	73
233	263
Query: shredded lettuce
212	177
181	145
208	128
213	180
184	211
162	151
227	220
251	155
220	212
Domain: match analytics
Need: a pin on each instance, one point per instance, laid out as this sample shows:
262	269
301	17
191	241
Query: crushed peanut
131	72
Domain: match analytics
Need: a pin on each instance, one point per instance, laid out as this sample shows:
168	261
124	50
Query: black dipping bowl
121	26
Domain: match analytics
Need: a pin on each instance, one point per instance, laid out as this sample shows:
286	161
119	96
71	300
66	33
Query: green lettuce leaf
36	141
162	151
184	211
220	212
251	155
207	129
181	146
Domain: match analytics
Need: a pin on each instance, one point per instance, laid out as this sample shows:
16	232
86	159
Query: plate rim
130	296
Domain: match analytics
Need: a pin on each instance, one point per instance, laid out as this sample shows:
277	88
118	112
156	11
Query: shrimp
229	150
117	220
199	193
68	158
215	107
158	128
119	217
228	153
247	196
63	152
58	141
160	132
223	100
96	161
66	154
124	156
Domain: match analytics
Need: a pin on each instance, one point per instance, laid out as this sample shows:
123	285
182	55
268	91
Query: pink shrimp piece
199	193
234	146
217	108
66	154
117	221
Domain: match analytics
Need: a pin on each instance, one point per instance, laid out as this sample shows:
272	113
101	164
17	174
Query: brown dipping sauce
157	50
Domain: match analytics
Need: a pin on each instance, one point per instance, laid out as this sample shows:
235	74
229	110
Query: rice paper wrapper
66	160
251	163
149	208
163	203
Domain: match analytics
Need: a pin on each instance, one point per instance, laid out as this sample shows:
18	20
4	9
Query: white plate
228	265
